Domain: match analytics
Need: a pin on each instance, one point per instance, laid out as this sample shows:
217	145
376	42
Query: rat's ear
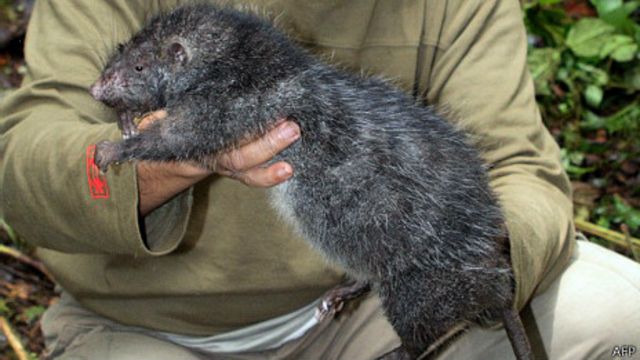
178	52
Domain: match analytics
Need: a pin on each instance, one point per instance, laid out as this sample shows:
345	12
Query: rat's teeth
325	306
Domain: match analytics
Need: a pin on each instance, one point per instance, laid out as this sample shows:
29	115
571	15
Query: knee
592	307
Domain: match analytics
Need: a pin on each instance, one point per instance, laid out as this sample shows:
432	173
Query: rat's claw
329	307
106	153
325	305
128	126
129	131
334	300
325	310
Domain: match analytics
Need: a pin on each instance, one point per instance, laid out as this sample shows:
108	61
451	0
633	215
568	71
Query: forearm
50	194
159	182
481	73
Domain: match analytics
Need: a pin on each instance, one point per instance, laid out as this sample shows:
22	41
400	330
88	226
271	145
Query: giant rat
384	187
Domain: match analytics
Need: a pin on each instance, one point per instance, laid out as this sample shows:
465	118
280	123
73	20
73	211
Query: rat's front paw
107	152
127	123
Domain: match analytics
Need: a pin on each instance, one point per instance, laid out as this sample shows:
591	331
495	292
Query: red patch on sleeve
98	187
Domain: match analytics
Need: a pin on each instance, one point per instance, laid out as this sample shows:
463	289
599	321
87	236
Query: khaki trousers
590	309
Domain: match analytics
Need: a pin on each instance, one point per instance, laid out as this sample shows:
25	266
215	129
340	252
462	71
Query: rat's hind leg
333	301
397	354
425	307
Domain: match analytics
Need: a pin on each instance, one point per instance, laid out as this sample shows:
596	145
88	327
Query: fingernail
289	131
284	172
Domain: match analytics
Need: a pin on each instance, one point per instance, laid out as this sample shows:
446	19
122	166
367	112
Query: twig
627	239
609	235
29	276
9	230
16	254
13	340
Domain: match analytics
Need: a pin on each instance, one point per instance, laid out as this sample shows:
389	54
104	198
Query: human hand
246	163
160	181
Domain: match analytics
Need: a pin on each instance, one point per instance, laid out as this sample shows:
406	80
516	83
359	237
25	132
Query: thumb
149	118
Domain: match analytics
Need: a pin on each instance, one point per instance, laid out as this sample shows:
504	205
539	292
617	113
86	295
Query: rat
383	186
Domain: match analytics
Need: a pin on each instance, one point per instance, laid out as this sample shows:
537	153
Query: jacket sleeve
478	72
49	192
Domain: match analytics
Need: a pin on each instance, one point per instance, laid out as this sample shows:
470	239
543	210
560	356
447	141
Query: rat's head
136	75
191	46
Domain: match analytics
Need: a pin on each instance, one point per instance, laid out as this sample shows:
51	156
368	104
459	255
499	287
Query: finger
265	176
148	119
261	150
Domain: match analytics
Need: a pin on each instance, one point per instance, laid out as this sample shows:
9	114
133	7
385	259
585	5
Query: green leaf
604	222
588	37
626	213
570	161
591	121
543	64
564	108
625	53
618	14
592	74
549	2
620	47
626	119
549	23
593	95
576	171
32	313
605	6
4	309
6	228
631	78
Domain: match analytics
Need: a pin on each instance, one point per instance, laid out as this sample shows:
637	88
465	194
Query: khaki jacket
216	257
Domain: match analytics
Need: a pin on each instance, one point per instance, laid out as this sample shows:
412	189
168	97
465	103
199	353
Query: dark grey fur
383	187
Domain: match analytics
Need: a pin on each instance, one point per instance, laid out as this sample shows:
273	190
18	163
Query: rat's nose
96	90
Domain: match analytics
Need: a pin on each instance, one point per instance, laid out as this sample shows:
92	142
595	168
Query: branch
615	237
627	239
16	254
13	340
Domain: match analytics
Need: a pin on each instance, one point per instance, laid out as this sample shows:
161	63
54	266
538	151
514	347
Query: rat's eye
139	68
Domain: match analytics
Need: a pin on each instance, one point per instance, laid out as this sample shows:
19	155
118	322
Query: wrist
177	170
158	182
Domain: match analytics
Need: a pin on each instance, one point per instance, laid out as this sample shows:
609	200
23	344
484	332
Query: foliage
9	236
3	307
32	313
25	293
585	61
617	211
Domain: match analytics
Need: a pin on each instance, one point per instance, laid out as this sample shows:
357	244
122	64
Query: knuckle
272	145
260	177
236	175
235	161
249	179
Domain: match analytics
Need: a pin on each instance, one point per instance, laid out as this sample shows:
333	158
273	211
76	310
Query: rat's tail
517	335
